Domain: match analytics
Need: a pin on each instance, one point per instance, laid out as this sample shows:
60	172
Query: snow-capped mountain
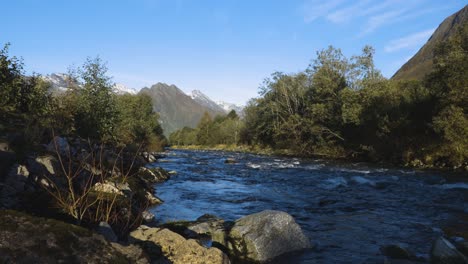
60	81
221	106
204	100
228	107
122	89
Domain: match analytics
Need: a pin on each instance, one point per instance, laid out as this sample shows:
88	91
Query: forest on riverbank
344	108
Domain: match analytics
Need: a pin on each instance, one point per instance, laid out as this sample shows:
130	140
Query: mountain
421	63
59	82
204	100
122	89
218	106
228	107
176	109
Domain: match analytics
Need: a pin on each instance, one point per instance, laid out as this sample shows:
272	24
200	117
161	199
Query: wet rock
149	157
176	248
153	175
444	252
263	236
211	226
397	252
106	231
153	200
230	161
148	217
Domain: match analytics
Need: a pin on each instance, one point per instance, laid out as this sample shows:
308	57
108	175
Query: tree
96	113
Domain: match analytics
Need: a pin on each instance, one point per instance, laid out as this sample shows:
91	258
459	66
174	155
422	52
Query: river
348	210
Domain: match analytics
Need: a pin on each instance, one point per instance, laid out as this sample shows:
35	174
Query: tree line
30	113
343	107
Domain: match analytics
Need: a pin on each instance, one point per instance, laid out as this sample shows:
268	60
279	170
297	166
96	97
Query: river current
348	210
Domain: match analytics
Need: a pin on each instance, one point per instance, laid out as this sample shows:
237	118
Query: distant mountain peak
204	100
122	89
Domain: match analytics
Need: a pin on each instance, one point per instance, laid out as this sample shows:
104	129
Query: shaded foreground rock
28	239
263	236
444	252
173	247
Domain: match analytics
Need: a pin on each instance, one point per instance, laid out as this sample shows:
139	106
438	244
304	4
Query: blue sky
223	48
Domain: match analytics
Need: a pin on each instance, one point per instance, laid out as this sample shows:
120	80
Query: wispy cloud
410	41
314	9
376	21
372	14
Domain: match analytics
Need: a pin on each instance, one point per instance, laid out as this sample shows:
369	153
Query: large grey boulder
263	236
444	252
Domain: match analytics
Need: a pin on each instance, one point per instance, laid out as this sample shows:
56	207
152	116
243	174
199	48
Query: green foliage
95	109
344	107
220	130
138	123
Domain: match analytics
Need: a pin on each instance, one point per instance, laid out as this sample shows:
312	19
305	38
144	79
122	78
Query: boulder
133	253
230	161
211	226
148	217
397	252
153	175
47	165
175	248
444	252
17	178
107	187
106	231
29	239
263	236
153	200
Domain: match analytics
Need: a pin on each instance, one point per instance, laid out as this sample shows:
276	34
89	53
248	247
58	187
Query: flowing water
348	211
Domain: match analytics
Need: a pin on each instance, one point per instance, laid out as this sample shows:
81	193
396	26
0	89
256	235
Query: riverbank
415	164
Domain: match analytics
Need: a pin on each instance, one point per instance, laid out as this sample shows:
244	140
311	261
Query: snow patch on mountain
228	107
122	89
60	81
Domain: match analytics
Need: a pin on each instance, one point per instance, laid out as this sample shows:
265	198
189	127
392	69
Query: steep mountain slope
421	63
204	100
175	108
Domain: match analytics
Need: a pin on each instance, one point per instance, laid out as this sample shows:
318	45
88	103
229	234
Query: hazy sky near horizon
223	48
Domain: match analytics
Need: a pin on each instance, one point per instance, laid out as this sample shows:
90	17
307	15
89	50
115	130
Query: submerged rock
397	252
230	161
444	252
175	248
263	236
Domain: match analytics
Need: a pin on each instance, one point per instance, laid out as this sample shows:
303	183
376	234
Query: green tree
96	114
